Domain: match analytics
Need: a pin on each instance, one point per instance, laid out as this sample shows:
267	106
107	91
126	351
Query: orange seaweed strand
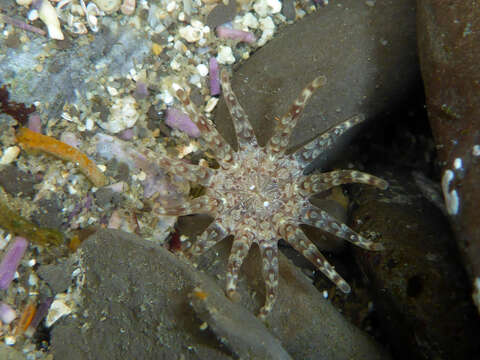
31	140
25	319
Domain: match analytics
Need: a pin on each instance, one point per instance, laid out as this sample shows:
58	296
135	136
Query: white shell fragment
58	309
225	55
194	32
49	16
123	115
267	7
9	155
452	200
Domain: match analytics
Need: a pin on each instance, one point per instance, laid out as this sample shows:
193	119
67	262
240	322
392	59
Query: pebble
109	6
267	7
9	155
202	69
225	55
58	309
123	115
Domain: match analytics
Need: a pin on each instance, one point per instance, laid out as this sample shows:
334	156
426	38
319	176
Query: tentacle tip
320	81
376	247
383	185
233	295
344	287
263	313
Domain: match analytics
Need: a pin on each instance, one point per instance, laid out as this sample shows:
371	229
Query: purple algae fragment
214	77
41	312
34	122
10	261
7	314
240	35
178	120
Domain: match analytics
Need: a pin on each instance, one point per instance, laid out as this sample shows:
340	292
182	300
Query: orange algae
31	140
25	319
200	294
18	225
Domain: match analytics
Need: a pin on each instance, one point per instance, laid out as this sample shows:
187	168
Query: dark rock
419	287
135	304
368	55
308	326
16	182
449	46
106	197
58	277
221	14
49	213
235	326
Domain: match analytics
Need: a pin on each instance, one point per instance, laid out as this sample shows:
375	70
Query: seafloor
114	285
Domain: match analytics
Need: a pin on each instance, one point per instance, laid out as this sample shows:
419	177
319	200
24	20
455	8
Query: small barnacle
31	140
261	194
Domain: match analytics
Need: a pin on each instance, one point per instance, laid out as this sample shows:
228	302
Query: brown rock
419	287
449	45
368	55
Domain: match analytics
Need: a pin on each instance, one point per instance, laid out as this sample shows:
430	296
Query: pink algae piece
10	261
229	33
179	120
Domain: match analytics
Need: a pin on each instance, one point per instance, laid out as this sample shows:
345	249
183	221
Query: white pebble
109	6
123	115
268	27
112	91
476	150
171	6
190	33
9	155
225	55
89	124
7	314
267	7
10	340
457	163
202	69
250	20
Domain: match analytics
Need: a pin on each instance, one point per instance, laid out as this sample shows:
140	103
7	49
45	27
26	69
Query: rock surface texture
449	46
420	289
368	57
136	304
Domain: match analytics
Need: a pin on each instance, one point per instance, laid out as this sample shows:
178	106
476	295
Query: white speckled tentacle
245	135
299	241
269	253
307	153
213	234
223	152
194	173
284	127
322	220
240	247
201	205
316	183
